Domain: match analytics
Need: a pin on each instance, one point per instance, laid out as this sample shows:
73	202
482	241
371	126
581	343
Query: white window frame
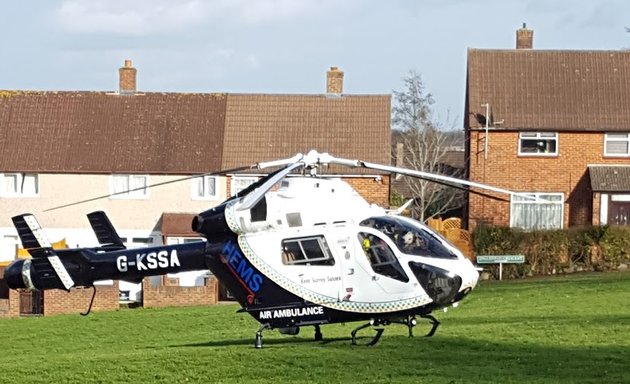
608	138
540	137
233	183
20	178
537	198
140	194
200	184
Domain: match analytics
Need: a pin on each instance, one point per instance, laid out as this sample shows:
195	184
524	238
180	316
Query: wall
566	173
57	301
172	295
376	192
125	214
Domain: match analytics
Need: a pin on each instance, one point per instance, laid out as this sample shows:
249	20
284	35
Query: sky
285	46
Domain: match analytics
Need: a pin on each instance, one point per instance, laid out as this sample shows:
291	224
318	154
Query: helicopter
295	249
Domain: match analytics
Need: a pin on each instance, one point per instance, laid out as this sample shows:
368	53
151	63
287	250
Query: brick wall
154	296
57	301
376	192
567	173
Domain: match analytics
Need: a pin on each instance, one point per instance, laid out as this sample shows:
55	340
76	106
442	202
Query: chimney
127	78
524	38
334	80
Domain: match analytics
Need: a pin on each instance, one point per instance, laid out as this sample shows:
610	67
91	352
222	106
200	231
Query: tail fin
105	231
32	235
37	244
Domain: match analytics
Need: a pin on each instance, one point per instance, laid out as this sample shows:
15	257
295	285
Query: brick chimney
334	80
127	78
524	38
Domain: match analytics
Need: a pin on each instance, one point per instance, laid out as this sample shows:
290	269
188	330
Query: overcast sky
284	46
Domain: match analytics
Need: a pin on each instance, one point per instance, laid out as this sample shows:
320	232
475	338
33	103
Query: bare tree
422	144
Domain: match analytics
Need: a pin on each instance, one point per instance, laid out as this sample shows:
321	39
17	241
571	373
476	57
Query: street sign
501	259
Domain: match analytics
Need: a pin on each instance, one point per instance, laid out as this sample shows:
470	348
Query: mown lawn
573	329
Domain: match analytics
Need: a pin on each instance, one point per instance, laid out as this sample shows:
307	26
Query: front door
31	303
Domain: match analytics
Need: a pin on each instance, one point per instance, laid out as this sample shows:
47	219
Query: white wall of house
134	219
125	214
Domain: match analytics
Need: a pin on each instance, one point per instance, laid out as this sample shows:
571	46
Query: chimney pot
127	78
334	80
524	38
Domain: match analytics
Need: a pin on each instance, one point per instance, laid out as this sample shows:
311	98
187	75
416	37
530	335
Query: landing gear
410	322
318	333
434	324
379	331
258	342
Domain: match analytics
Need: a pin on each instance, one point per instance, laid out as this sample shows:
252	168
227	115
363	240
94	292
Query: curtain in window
121	184
545	213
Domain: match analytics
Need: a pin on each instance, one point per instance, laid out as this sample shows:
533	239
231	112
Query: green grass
573	329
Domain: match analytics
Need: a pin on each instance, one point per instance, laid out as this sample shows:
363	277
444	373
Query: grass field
573	329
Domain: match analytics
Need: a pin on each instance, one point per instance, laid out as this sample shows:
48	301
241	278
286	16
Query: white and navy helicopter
295	249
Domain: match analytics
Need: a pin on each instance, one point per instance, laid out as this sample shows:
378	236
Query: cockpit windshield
410	239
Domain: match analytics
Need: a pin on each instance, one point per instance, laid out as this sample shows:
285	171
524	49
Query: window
129	186
19	184
410	239
311	250
617	144
238	183
537	210
381	257
538	143
204	188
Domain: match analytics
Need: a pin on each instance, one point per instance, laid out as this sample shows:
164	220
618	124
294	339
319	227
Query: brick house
59	147
554	123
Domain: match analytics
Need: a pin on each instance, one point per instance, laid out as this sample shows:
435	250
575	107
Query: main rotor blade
327	159
254	197
219	173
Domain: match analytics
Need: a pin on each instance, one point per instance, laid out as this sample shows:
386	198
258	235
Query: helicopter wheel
434	324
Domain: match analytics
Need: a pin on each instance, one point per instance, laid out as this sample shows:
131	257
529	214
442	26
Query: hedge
555	251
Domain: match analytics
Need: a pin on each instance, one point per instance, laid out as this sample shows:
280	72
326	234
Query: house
58	148
554	124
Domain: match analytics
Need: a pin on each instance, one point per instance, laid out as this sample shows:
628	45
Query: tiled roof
97	132
549	89
266	127
610	178
177	133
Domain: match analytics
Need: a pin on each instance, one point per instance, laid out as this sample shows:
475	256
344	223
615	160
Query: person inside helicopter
409	238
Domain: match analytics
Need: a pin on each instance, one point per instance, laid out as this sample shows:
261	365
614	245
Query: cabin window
411	239
312	250
19	185
381	257
204	188
617	144
537	210
538	143
129	186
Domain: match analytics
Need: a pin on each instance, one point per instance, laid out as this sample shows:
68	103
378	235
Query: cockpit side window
312	250
381	257
410	239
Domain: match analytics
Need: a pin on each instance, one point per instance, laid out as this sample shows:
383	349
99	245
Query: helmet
408	238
